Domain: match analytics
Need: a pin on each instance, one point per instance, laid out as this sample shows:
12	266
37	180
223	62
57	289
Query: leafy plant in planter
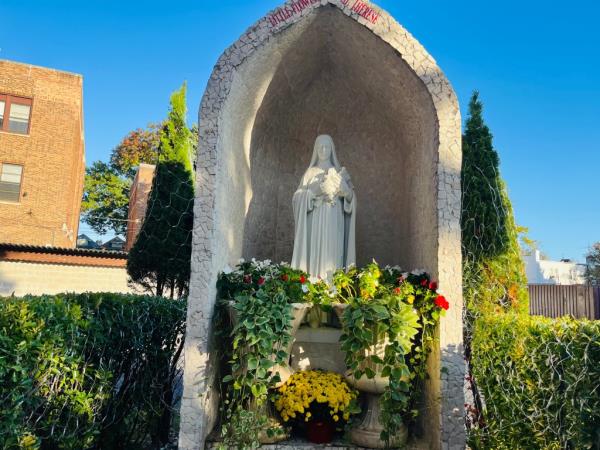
261	298
388	322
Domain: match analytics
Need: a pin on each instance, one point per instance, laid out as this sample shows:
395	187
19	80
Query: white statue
324	213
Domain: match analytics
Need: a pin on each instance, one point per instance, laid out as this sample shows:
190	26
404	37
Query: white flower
333	291
304	288
241	261
418	272
313	280
227	270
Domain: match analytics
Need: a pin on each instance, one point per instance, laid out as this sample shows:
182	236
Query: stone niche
327	67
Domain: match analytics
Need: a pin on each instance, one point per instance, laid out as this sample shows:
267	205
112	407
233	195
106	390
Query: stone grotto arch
348	69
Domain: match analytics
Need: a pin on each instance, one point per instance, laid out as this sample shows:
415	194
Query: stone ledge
301	444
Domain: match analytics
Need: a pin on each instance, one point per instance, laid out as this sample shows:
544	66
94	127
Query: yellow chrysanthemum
303	388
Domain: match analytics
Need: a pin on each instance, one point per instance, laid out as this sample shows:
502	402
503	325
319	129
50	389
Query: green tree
493	270
107	186
105	199
160	257
592	271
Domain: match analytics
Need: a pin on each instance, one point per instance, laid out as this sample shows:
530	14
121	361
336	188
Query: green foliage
175	137
539	378
493	271
107	186
262	324
388	328
160	257
592	271
105	199
88	371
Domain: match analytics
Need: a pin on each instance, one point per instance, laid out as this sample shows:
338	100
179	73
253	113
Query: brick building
41	155
138	202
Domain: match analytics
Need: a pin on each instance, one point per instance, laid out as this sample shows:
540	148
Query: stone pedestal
367	433
318	349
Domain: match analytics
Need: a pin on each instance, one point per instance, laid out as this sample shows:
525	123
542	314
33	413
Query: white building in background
542	271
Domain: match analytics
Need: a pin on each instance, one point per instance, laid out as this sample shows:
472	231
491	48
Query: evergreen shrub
539	380
88	371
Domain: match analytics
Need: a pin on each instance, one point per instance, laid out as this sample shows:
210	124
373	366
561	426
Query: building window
11	176
15	113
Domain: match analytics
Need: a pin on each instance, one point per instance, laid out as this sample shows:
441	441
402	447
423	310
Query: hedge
89	371
540	382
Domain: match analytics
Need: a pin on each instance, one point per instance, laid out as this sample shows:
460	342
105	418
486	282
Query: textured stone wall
325	68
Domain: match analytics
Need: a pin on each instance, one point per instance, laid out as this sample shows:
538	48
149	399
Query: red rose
397	290
441	302
302	279
285	277
247	279
433	285
424	282
261	281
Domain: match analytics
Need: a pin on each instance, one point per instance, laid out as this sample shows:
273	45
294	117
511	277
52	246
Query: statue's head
324	148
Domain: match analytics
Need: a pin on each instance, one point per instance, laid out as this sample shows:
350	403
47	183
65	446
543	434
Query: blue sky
535	63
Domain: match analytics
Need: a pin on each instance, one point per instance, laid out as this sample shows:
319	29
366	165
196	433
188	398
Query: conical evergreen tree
493	271
160	257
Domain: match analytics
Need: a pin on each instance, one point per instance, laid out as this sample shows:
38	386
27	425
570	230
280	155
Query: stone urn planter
299	310
367	433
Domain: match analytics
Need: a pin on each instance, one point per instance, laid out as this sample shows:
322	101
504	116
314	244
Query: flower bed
386	308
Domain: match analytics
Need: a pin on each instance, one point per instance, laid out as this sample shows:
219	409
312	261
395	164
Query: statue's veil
324	138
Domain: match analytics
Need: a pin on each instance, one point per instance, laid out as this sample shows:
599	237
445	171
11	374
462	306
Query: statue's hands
315	189
345	190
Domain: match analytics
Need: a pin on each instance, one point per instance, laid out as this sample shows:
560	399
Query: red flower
433	285
285	277
441	302
397	290
261	281
424	282
247	279
302	279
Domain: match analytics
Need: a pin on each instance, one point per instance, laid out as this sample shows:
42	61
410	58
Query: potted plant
388	319
264	302
319	402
